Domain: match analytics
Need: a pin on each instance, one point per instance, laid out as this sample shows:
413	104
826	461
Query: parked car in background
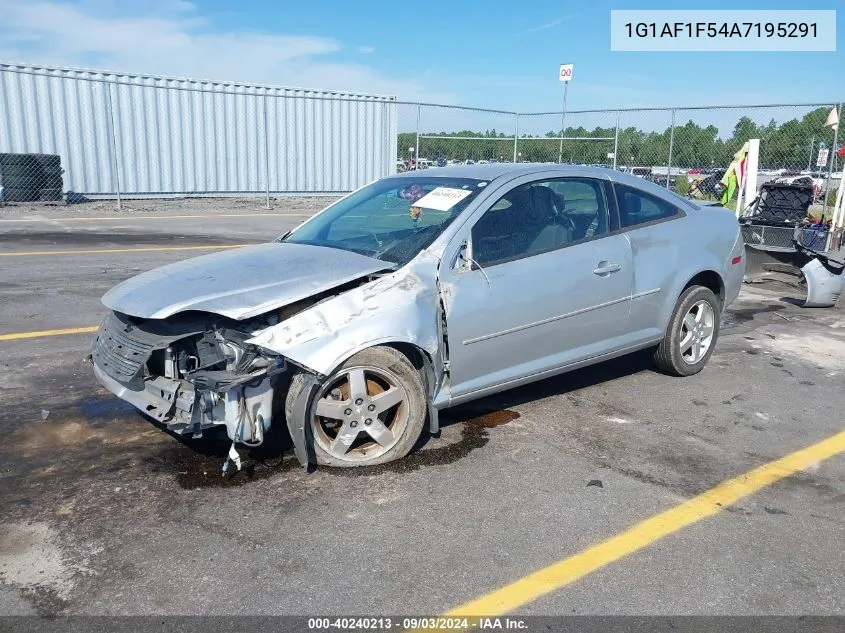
639	172
704	186
416	293
660	180
804	180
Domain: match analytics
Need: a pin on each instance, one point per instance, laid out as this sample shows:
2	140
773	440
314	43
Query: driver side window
540	216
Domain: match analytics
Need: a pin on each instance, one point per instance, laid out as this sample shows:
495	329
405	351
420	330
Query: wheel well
417	356
709	279
423	363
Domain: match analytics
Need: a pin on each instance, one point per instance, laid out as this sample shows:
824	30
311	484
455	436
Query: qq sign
566	72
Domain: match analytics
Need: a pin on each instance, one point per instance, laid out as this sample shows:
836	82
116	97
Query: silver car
416	293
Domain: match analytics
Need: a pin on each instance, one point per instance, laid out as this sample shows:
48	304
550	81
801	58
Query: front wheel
370	411
692	333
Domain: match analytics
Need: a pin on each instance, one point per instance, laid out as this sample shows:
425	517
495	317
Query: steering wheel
559	207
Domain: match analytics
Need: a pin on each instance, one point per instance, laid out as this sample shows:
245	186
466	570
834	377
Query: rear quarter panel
669	254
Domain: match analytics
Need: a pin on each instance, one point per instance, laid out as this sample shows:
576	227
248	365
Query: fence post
671	147
515	134
616	140
266	156
391	145
832	161
115	166
417	146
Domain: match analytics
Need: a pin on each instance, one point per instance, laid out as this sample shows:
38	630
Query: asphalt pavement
106	513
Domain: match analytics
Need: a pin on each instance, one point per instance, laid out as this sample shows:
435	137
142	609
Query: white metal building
147	135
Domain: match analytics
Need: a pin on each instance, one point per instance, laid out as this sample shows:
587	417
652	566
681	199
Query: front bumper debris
167	401
210	384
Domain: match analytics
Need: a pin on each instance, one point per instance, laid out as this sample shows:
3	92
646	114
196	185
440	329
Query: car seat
545	228
631	208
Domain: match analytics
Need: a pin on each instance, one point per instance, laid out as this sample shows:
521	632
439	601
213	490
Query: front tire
692	333
370	411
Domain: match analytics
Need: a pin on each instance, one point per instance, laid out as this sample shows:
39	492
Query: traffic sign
566	72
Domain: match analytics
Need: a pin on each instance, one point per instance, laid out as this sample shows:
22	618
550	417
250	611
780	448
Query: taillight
736	260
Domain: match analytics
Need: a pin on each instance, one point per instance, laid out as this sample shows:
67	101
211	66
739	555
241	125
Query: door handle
605	268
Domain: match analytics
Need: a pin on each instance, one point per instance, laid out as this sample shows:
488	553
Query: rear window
637	207
685	201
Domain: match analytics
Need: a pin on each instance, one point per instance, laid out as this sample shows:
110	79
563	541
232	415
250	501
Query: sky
496	54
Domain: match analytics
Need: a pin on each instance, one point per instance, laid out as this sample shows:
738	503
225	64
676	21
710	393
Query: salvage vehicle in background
416	293
782	240
804	180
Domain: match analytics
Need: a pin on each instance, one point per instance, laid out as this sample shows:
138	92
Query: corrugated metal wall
154	135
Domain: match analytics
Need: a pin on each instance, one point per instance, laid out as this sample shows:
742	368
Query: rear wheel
370	411
692	333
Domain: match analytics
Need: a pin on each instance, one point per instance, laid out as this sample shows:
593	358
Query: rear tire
692	333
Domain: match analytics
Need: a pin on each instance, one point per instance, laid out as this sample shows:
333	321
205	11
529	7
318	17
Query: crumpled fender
401	307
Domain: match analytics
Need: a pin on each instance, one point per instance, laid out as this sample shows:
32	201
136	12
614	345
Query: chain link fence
82	136
684	149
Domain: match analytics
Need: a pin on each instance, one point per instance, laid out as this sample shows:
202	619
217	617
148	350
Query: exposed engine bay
196	370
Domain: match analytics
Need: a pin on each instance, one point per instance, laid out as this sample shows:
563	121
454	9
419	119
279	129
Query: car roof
492	171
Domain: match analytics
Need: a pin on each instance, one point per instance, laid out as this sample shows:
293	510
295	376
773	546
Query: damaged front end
218	340
191	372
194	370
177	346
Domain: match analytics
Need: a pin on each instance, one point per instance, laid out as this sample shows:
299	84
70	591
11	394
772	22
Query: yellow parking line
71	330
162	217
568	570
151	249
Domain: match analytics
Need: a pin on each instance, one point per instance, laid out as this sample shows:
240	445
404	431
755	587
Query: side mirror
463	259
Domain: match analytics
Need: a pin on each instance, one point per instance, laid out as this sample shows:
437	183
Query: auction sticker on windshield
442	198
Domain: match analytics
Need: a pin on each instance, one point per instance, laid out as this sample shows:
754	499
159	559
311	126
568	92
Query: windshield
392	219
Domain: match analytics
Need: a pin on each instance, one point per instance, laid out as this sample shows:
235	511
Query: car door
548	285
650	224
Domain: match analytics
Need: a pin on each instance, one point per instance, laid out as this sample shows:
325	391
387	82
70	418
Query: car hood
239	283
